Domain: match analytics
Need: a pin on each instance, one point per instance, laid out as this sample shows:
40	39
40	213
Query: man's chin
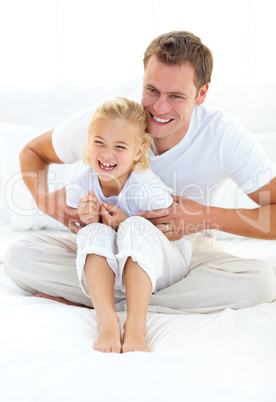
156	132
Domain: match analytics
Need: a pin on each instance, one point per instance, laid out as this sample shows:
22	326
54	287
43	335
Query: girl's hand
111	215
89	208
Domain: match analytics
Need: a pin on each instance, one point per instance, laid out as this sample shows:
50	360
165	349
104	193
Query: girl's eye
98	142
120	147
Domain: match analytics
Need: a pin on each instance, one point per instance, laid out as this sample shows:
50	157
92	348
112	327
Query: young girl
119	253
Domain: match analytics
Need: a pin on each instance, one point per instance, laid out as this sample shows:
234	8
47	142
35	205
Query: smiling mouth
161	121
107	165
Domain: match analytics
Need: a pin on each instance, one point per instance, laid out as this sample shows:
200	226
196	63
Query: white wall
42	41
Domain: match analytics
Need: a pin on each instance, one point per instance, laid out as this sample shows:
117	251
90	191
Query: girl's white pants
165	262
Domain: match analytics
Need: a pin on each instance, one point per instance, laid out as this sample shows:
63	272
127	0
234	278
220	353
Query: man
197	149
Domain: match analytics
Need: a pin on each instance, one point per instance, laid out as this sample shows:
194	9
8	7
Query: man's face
169	97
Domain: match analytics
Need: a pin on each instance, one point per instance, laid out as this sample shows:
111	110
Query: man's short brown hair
178	47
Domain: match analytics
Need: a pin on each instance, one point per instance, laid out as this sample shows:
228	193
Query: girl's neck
112	187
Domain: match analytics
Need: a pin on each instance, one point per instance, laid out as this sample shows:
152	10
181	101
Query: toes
135	347
108	349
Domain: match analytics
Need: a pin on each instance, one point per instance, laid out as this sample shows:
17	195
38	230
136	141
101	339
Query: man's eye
152	90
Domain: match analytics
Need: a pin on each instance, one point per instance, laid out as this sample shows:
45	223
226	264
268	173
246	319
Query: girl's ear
140	152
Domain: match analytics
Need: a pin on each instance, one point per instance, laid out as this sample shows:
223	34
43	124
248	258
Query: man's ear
140	152
202	94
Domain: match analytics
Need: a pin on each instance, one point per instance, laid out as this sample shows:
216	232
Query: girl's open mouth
106	165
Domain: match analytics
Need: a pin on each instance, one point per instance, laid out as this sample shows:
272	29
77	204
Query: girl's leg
138	290
100	281
145	265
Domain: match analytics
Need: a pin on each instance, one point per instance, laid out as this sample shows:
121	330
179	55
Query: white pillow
252	103
50	106
18	207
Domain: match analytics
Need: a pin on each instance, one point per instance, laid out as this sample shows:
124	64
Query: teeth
107	165
160	120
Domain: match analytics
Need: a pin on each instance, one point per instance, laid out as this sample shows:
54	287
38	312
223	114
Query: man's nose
161	105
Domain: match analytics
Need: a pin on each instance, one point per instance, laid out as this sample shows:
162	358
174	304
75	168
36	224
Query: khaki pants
215	280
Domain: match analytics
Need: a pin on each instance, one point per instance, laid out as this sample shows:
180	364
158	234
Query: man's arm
187	217
35	159
258	223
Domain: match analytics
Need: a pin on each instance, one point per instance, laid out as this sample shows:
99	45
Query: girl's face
113	150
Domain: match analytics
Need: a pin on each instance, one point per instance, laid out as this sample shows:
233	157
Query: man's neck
165	144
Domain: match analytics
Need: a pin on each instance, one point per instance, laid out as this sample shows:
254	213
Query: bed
46	349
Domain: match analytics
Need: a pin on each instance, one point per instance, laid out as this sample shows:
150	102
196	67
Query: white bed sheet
46	350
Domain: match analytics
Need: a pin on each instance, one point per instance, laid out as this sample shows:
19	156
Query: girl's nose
107	154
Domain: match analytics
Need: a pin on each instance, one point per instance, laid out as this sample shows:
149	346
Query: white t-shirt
216	147
142	191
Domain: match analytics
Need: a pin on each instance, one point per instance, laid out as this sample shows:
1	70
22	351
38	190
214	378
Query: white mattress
46	350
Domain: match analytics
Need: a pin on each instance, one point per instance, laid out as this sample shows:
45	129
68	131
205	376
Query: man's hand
89	208
183	217
54	205
35	159
111	215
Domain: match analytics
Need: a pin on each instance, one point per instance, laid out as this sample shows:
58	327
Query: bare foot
135	337
109	339
59	299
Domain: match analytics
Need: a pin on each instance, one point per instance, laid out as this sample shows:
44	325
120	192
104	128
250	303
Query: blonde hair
134	113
